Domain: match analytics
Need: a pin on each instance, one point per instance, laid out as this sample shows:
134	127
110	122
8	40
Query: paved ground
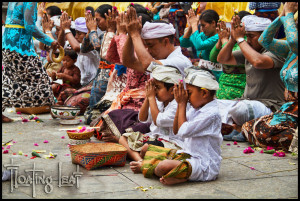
270	177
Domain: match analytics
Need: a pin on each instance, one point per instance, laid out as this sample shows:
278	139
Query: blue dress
20	39
25	83
287	49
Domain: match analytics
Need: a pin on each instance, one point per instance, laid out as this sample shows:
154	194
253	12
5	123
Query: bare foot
6	119
171	180
135	166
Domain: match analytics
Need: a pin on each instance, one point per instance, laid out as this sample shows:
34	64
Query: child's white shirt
202	140
164	123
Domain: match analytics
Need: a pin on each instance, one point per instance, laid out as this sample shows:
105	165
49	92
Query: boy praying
200	127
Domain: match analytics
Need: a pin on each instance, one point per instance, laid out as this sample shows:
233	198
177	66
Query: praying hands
121	24
180	94
91	23
111	21
133	23
65	21
237	28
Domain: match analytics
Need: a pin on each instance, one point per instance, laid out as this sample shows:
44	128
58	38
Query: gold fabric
76	9
226	9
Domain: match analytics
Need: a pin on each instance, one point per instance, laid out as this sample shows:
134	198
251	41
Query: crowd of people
167	82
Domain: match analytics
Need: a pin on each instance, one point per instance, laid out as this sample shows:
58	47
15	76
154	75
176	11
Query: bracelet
67	31
92	31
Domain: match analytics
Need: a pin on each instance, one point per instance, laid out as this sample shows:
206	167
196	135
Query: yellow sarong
156	154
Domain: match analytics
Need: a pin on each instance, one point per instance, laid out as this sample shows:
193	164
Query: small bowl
80	136
65	112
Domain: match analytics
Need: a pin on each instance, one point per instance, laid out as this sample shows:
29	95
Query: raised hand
192	18
180	94
41	9
223	32
290	7
150	89
111	22
121	24
133	23
47	23
237	28
65	21
91	22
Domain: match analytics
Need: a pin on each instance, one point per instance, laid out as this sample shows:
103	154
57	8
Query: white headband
80	25
156	30
200	78
254	23
167	74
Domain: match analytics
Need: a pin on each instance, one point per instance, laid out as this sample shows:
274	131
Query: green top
233	79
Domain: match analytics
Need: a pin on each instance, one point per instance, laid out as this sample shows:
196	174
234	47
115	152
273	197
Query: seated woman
69	73
204	38
233	79
278	129
133	95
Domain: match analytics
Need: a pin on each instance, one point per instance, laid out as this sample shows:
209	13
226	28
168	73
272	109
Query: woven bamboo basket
81	136
94	155
34	110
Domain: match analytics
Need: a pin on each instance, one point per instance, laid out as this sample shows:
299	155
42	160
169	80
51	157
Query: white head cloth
56	20
167	74
241	112
80	25
254	23
157	30
201	78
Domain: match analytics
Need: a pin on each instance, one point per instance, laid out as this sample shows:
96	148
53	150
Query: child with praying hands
200	127
159	109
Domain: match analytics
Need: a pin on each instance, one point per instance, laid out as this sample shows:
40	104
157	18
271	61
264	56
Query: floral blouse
20	39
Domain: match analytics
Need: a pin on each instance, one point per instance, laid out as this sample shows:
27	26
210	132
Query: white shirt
177	59
88	63
164	123
202	140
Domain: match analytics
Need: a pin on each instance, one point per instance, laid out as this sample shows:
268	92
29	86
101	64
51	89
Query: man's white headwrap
56	20
200	78
80	25
167	74
241	112
254	23
157	30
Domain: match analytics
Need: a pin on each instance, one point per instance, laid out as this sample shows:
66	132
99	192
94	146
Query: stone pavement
272	177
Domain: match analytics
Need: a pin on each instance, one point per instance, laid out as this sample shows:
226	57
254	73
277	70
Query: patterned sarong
156	154
261	133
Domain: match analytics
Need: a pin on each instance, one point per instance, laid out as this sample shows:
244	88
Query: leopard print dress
25	82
